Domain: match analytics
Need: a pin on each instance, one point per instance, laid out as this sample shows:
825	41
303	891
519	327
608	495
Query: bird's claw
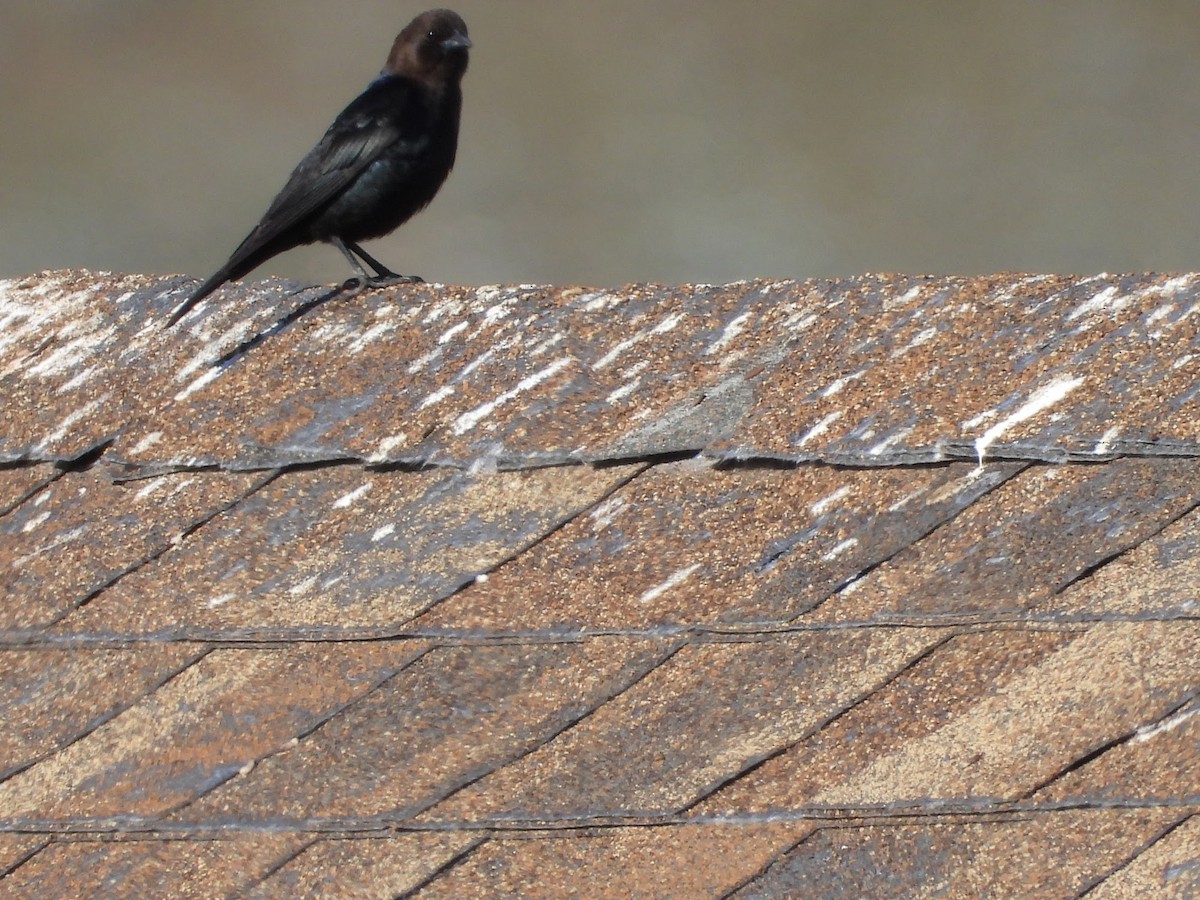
390	278
355	286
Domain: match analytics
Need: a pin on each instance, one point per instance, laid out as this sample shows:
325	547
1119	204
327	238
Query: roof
884	585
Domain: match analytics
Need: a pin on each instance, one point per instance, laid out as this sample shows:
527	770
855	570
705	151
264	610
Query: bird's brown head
432	48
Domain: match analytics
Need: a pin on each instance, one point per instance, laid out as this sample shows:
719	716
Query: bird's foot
387	279
355	286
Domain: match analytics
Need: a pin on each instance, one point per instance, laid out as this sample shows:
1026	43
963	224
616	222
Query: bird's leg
381	271
358	284
383	275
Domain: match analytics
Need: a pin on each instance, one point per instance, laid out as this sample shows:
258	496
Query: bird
382	161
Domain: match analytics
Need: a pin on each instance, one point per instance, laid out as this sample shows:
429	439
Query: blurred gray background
613	141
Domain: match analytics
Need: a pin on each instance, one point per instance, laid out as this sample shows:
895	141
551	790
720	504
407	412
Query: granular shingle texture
882	586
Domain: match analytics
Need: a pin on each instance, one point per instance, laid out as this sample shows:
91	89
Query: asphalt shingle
882	585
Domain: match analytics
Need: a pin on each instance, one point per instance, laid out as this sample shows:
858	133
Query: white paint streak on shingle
1104	445
604	514
465	371
848	544
674	580
838	384
489	293
18	319
1108	299
667	324
421	362
1161	313
333	333
905	500
904	299
199	384
609	357
599	302
1016	290
382	532
80	378
854	584
732	329
436	397
469	420
800	320
1167	289
65	538
153	486
147	442
76	415
388	445
1149	732
820	428
976	421
66	357
922	337
497	312
370	336
450	333
303	587
890	441
623	391
348	500
440	310
35	522
545	346
823	505
954	488
1041	399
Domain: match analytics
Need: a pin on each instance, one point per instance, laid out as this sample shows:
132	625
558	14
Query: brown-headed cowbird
381	161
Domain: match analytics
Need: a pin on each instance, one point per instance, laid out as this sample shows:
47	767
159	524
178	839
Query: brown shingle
1157	763
987	717
340	553
219	716
1168	868
1055	855
18	483
83	532
1023	543
180	868
679	861
16	848
364	867
448	719
1159	578
49	697
703	717
716	547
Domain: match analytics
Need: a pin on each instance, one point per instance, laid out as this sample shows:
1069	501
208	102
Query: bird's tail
197	295
240	264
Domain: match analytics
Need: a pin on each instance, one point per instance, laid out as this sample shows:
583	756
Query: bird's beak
457	41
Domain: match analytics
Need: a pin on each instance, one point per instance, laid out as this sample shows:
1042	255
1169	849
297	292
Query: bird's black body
381	161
